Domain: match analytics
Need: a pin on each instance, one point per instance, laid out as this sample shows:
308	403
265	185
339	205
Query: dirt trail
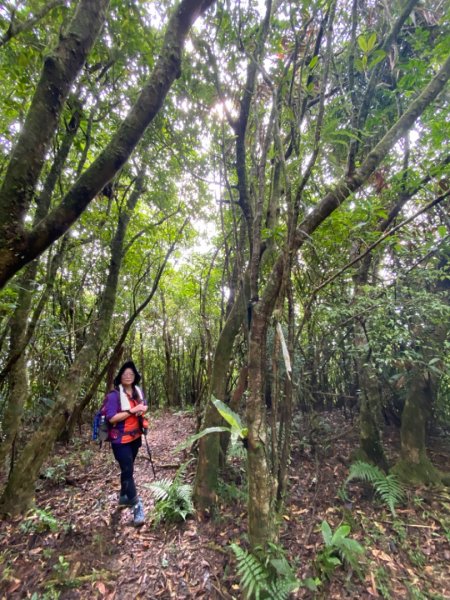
83	547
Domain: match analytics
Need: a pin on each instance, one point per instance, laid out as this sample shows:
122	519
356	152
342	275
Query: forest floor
78	545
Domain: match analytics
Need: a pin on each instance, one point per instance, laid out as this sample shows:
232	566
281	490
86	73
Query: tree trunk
75	415
414	464
17	394
171	382
17	375
371	448
285	428
209	446
21	327
261	492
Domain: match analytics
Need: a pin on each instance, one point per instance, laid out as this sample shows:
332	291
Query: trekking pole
150	456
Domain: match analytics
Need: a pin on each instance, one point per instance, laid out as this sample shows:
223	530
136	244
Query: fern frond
160	488
388	487
184	492
252	573
365	472
390	491
280	589
184	499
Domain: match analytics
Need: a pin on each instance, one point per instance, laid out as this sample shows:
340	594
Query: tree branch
59	72
389	233
19	247
15	29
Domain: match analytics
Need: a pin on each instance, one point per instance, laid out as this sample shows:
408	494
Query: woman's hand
139	409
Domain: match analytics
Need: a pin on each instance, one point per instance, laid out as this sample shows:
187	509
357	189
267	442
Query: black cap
127	365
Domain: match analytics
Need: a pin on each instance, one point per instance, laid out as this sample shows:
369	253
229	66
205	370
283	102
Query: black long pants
125	455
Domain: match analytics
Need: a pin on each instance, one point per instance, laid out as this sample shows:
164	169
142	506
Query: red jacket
131	428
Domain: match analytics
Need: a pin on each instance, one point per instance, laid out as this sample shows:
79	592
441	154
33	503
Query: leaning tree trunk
18	246
19	492
21	327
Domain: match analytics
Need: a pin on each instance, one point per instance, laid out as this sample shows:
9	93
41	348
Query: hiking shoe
125	502
138	514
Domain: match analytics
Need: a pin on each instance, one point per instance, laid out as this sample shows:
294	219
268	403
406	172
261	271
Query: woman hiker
125	407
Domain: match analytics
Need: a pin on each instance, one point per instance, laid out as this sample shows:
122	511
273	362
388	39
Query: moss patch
421	472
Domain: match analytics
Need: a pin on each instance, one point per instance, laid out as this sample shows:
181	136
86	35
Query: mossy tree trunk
22	326
371	447
414	465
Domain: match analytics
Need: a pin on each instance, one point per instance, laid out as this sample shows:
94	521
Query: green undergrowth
265	574
387	487
173	498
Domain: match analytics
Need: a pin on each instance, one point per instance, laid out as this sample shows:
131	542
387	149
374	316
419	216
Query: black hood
127	365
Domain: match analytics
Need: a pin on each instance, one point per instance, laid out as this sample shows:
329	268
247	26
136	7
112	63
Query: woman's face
127	377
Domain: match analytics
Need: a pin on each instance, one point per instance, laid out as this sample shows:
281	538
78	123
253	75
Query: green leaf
313	62
358	64
362	43
230	417
371	42
352	545
311	584
327	534
386	486
193	438
376	57
341	532
281	566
